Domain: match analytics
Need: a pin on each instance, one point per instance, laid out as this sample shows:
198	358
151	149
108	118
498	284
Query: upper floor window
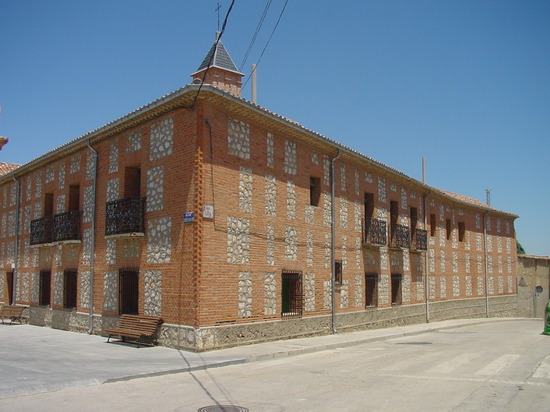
369	205
432	224
314	191
461	231
132	182
414	220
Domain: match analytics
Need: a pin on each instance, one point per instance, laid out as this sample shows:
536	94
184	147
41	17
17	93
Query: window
69	289
449	228
371	290
314	190
338	272
74	198
44	288
128	291
48	205
461	231
291	295
414	221
394	213
369	205
395	289
432	225
132	182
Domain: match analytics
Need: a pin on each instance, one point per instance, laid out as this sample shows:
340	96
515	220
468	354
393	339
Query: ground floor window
291	299
338	272
128	291
9	283
44	288
371	290
396	289
69	289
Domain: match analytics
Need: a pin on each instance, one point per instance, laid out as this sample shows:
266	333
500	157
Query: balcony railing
400	236
61	227
419	239
41	230
374	232
124	216
66	226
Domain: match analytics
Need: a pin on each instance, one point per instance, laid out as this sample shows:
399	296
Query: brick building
216	214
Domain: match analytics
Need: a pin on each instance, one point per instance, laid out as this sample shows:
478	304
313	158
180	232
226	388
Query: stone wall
203	339
533	271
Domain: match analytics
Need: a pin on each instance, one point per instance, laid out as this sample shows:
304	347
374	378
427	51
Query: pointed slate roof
219	57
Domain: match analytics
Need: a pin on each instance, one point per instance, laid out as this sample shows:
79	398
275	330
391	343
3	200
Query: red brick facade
258	248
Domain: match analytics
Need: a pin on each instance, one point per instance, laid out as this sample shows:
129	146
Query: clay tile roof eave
474	202
6	168
291	123
452	196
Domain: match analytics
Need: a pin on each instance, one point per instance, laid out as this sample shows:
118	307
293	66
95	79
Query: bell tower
220	70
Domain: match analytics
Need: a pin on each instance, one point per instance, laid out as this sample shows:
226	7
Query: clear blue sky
464	83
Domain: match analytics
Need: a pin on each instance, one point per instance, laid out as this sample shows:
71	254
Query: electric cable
268	41
253	40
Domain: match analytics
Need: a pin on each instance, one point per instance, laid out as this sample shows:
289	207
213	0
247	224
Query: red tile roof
466	199
5	168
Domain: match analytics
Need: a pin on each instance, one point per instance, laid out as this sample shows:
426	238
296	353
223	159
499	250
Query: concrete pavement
38	359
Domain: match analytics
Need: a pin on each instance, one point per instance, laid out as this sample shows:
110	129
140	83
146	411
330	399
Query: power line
258	27
268	40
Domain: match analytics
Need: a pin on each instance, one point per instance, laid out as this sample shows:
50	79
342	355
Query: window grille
291	306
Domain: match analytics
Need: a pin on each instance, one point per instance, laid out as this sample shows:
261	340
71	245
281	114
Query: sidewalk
38	359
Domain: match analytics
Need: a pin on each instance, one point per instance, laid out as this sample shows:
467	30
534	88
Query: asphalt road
500	366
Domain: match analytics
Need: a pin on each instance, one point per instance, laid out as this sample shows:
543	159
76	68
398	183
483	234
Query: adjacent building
237	225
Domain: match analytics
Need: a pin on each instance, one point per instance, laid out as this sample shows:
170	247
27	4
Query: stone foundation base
218	337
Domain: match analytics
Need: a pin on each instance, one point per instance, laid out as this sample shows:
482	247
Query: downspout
92	240
17	223
333	241
485	268
426	259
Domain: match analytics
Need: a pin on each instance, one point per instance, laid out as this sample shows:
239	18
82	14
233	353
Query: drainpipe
92	246
485	268
16	252
333	241
426	259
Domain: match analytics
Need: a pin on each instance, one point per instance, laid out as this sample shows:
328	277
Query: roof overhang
184	97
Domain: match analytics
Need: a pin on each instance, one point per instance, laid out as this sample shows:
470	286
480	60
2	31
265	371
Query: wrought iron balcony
419	239
124	216
66	226
374	232
400	236
41	230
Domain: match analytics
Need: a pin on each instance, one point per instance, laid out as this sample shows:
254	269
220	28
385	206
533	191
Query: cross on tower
218	7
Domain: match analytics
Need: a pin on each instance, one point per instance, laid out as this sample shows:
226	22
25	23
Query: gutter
426	259
92	240
16	251
333	241
485	265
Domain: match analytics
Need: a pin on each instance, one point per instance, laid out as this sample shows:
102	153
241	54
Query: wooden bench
13	313
137	328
